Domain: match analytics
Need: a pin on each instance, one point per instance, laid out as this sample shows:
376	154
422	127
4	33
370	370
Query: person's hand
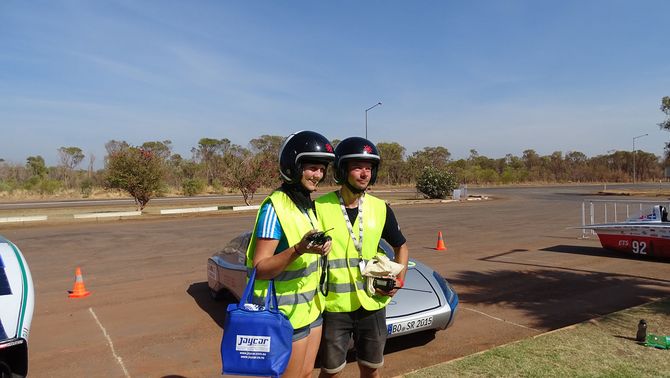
326	246
399	283
310	244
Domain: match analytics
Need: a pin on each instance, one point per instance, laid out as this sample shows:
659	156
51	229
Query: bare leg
323	374
367	372
312	348
295	364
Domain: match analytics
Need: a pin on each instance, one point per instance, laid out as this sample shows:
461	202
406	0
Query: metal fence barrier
612	211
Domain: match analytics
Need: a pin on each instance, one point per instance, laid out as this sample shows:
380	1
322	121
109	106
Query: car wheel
5	370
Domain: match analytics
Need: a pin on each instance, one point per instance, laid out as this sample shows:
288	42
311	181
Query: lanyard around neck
306	213
358	244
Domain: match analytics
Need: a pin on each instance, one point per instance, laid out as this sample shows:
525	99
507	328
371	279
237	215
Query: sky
499	77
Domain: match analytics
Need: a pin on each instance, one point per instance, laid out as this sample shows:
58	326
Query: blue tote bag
256	340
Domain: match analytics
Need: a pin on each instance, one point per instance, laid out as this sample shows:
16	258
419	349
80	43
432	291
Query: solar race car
16	310
426	302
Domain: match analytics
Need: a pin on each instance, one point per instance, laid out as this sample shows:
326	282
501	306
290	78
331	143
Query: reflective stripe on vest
342	263
286	275
297	286
343	272
289	299
346	287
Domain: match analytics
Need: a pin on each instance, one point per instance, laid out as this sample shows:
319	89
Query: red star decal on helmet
367	149
329	148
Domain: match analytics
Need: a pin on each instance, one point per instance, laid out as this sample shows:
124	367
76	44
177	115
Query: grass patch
636	192
603	347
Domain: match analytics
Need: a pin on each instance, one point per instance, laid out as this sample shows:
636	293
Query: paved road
518	268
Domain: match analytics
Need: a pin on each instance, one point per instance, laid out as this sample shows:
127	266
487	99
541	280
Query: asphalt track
519	271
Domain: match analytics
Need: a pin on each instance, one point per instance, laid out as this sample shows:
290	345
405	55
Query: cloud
122	69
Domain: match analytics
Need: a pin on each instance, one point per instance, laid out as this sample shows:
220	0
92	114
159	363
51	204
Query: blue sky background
496	76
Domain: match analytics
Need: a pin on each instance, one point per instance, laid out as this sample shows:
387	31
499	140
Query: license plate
409	325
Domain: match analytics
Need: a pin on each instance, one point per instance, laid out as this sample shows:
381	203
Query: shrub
217	186
86	187
191	187
32	183
48	186
7	186
436	183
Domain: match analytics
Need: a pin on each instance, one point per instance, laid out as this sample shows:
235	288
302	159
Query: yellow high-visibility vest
297	286
346	286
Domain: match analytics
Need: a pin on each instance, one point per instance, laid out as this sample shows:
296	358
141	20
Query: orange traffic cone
79	290
440	242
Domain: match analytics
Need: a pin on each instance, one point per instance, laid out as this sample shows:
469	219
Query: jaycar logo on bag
253	343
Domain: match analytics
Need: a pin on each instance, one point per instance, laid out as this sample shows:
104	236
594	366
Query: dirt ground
518	268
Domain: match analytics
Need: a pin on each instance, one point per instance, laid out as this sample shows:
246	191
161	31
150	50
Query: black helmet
300	147
355	148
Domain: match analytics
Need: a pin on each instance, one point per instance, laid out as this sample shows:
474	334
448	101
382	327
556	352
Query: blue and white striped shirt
268	227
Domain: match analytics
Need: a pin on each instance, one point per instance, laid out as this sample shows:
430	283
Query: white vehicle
644	235
17	301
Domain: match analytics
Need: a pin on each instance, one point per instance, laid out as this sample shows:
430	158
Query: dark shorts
368	329
303	332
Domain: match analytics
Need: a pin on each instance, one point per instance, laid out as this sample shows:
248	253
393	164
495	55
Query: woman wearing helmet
358	221
281	246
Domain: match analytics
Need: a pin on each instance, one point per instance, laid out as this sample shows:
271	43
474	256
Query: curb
107	215
189	210
34	218
242	208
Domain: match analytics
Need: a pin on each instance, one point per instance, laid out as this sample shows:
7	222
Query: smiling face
312	174
360	173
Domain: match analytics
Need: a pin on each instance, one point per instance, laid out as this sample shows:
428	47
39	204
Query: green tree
647	166
577	166
533	163
114	146
162	149
70	157
37	166
391	171
137	171
246	172
266	149
267	144
209	152
665	125
556	166
437	157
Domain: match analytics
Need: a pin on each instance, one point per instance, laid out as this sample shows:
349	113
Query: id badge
361	266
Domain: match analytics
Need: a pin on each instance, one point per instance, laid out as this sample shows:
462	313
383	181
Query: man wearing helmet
281	246
359	220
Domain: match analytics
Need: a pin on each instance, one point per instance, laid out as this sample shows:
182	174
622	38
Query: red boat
645	235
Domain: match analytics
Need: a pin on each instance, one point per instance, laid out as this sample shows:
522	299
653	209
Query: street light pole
637	137
366	118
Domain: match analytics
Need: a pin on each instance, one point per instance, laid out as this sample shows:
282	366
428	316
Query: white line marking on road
109	341
502	320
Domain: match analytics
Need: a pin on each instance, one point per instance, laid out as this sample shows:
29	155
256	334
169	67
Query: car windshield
236	249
